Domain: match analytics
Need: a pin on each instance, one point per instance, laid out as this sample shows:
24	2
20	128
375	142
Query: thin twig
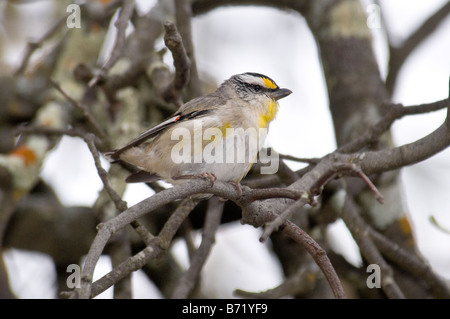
103	174
392	112
181	62
357	169
306	197
411	263
212	221
262	181
120	204
187	232
265	193
275	224
133	263
86	112
371	185
91	141
175	220
312	161
399	55
108	228
318	254
436	224
156	248
121	24
424	108
34	45
298	283
286	175
358	228
183	14
45	130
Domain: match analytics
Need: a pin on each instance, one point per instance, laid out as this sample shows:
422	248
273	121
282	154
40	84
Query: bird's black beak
280	93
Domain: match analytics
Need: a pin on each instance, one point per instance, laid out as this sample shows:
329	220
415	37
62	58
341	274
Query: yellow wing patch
269	83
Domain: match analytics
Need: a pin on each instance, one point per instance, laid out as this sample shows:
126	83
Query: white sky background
279	44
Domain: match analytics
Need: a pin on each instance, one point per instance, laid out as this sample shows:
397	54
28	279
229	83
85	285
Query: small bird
216	136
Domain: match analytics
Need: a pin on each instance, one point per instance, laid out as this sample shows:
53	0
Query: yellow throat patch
267	117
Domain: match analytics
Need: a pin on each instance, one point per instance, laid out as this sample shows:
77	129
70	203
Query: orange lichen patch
71	63
405	226
27	154
18	194
104	1
96	27
311	276
47	122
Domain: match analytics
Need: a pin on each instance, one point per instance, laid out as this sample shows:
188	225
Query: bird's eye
257	88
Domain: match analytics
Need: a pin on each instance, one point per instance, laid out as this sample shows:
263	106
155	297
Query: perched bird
216	136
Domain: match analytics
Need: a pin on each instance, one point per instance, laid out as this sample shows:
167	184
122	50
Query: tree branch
318	254
393	112
374	162
398	55
190	278
184	190
86	112
34	45
357	227
183	13
410	263
121	24
298	283
155	249
181	62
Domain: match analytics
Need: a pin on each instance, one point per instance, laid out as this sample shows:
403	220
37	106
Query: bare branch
212	221
384	160
311	161
392	113
410	263
272	226
91	140
118	202
203	6
181	62
371	185
87	113
155	249
183	16
219	188
33	45
121	24
316	178
298	283
399	55
318	254
264	193
369	251
176	219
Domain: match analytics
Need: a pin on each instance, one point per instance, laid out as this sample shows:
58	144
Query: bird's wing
154	131
195	108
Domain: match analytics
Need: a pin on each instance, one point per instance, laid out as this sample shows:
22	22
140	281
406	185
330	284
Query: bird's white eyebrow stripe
247	78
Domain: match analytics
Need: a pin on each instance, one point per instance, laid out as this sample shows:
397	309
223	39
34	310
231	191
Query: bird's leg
238	187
